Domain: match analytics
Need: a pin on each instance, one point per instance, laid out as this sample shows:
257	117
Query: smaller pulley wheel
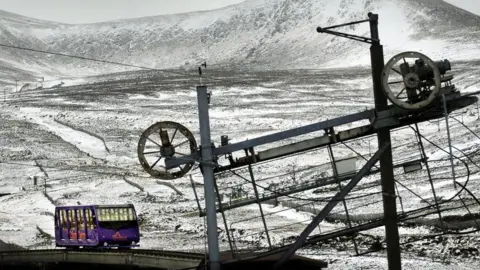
411	85
165	140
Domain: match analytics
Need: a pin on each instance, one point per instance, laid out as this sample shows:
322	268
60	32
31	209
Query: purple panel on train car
122	235
64	233
92	236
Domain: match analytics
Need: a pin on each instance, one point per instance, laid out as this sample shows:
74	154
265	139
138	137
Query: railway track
162	259
166	253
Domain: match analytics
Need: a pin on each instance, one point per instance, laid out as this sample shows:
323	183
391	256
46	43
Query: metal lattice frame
382	119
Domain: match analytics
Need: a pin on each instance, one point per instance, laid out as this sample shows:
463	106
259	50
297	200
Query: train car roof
95	206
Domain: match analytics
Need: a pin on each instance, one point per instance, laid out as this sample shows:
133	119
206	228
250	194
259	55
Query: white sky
470	5
88	11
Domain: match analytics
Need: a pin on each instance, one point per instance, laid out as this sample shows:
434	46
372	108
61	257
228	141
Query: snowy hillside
80	141
265	33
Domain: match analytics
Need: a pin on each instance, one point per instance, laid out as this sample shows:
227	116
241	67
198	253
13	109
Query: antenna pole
208	177
386	163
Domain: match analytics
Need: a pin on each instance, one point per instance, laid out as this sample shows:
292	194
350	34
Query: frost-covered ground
81	140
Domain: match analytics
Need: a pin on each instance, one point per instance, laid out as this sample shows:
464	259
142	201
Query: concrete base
266	263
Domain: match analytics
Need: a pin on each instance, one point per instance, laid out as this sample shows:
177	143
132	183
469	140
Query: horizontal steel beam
300	146
293	132
227	149
293	148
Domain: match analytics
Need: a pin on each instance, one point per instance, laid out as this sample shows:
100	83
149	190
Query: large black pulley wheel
162	141
411	85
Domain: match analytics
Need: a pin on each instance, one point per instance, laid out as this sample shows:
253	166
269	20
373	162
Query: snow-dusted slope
267	33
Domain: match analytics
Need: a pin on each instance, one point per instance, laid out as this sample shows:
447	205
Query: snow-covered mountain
262	33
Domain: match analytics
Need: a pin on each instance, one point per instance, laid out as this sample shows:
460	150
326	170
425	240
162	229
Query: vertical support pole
449	140
209	184
386	163
335	172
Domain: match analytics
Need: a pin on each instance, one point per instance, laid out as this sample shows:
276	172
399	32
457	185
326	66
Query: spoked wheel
413	85
165	140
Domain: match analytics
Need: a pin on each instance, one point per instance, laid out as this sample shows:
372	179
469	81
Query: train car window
116	214
67	218
74	216
57	219
131	216
81	224
84	217
88	217
116	218
94	219
63	219
90	223
71	219
111	214
99	214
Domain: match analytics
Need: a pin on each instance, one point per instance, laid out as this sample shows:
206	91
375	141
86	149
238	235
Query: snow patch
86	143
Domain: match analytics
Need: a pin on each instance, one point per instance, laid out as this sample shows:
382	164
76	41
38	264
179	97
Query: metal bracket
389	194
372	17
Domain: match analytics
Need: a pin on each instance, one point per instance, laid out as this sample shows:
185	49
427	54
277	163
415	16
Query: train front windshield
116	218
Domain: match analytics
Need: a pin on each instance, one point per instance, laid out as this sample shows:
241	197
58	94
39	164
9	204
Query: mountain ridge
261	34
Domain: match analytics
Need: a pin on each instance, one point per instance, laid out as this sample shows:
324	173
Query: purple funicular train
90	226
